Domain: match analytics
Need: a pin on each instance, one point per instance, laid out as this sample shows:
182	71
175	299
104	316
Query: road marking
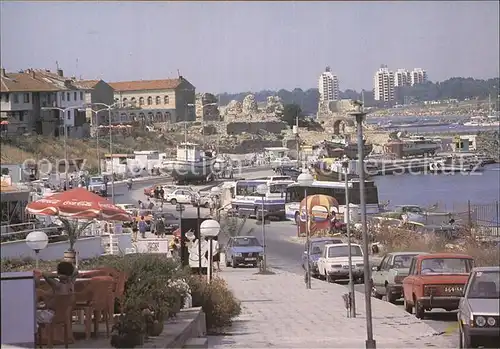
451	329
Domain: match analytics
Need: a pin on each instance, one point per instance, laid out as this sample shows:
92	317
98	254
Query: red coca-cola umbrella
78	203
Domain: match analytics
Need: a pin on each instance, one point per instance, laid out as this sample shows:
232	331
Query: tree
290	114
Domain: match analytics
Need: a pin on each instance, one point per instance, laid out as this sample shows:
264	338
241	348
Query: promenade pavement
278	311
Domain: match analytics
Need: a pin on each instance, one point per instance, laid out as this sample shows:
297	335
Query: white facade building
402	77
418	76
383	85
328	86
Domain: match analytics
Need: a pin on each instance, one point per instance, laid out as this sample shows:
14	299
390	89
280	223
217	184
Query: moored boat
190	165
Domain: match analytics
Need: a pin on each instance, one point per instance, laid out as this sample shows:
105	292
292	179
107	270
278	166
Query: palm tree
74	229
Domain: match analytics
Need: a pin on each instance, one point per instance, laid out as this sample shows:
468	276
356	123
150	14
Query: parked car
181	196
387	277
436	280
98	186
170	220
130	208
479	308
316	246
242	250
202	199
334	263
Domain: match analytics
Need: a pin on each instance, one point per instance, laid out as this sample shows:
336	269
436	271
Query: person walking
142	227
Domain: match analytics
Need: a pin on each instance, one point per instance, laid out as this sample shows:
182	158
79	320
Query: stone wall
251	145
234	128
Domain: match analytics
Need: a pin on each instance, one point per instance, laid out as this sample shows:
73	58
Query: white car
129	208
181	196
334	263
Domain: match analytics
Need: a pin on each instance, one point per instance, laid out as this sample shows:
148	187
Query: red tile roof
145	85
26	82
87	83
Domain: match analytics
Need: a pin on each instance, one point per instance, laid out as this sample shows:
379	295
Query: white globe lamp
37	241
305	179
210	229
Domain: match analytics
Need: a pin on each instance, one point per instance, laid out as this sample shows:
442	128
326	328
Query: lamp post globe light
305	179
210	229
359	115
37	240
262	190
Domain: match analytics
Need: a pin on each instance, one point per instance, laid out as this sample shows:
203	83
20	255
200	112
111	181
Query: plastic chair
119	286
62	316
94	301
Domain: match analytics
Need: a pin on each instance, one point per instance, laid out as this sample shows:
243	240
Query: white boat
191	164
411	146
466	162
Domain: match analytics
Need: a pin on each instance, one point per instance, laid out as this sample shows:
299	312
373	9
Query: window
68	96
16	98
133	101
21	116
63	96
141	101
246	242
26	98
75	96
343	251
158	100
383	263
69	114
81	96
165	100
150	100
402	261
446	266
125	101
485	284
6	97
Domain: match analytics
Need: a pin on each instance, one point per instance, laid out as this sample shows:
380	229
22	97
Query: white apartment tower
402	77
383	85
328	86
418	76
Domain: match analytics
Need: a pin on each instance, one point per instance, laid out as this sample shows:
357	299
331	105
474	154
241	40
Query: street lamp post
210	229
37	240
305	179
96	112
262	190
65	139
345	165
108	107
359	114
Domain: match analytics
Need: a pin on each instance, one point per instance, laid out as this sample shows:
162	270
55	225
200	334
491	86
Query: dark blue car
243	250
316	248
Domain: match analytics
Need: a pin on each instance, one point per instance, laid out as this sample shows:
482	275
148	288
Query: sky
251	46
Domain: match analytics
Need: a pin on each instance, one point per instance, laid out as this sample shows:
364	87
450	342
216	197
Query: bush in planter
129	329
217	301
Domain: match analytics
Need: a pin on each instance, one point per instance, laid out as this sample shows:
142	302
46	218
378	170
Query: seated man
61	284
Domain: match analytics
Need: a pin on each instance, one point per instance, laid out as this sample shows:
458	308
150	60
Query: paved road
284	253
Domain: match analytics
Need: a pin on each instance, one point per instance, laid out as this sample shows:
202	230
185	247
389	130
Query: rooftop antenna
178	73
76	68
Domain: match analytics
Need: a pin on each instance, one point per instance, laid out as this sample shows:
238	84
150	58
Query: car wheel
388	296
375	294
233	264
173	202
419	310
408	307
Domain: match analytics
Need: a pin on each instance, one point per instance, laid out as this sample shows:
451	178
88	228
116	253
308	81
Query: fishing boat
191	164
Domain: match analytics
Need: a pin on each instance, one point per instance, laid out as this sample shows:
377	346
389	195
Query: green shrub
217	301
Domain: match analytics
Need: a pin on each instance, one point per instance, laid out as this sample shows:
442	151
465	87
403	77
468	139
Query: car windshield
246	242
485	284
403	261
278	188
343	251
317	246
446	266
96	179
